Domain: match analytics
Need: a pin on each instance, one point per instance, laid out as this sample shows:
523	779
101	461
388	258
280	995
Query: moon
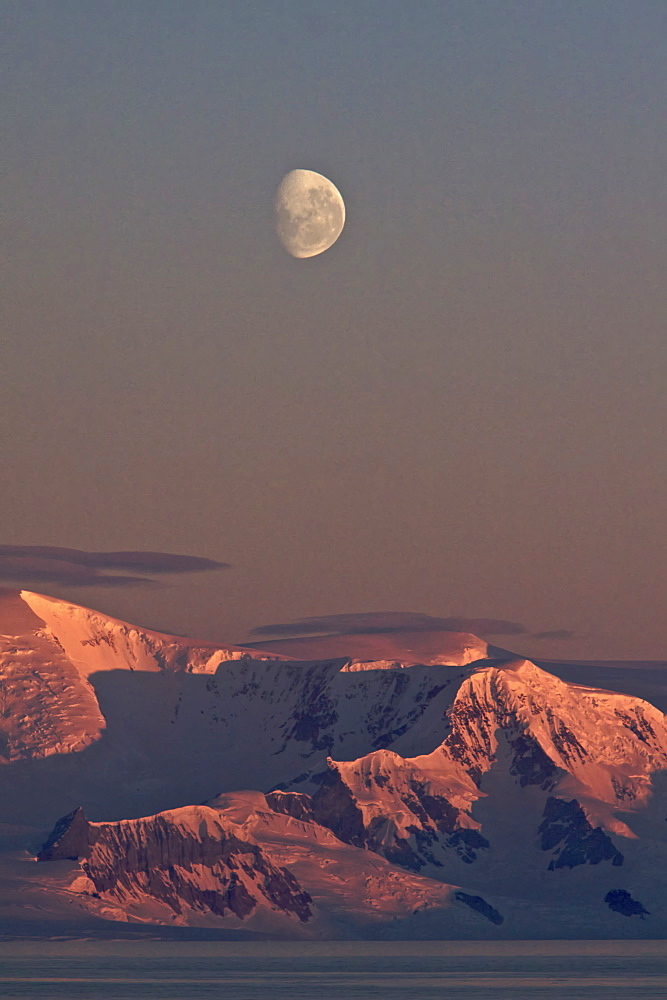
310	213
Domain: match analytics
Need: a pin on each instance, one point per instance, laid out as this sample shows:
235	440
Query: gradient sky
460	409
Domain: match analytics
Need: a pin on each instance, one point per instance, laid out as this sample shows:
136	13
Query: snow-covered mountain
344	796
406	647
48	651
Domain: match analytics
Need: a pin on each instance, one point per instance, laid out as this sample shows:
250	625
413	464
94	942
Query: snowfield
463	793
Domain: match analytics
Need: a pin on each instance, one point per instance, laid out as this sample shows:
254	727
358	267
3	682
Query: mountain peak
417	784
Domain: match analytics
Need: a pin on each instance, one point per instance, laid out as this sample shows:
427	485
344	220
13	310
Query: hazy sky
460	409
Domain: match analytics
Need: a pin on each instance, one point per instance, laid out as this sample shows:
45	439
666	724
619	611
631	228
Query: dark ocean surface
86	970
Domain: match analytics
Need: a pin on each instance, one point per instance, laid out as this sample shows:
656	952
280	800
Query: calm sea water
337	971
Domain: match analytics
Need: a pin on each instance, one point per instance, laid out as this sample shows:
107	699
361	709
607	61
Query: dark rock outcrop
481	906
335	807
188	858
621	901
530	763
70	839
436	827
296	804
566	828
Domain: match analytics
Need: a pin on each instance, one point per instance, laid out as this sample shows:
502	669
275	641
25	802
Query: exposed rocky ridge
387	805
48	651
54	683
419	812
492	779
566	829
189	858
71	838
224	865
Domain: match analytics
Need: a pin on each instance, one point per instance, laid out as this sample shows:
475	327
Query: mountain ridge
477	797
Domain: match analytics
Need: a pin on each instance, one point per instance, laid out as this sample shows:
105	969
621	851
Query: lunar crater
310	213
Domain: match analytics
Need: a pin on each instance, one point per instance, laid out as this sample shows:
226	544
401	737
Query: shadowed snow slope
48	651
466	798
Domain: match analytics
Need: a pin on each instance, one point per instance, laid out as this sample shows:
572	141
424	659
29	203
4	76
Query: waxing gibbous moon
310	213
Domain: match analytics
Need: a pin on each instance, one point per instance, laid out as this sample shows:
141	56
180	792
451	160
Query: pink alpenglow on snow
386	789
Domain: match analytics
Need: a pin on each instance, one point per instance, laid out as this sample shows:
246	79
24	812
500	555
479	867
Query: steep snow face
238	863
493	780
48	651
190	863
94	642
351	887
45	707
415	812
169	722
577	739
587	754
57	699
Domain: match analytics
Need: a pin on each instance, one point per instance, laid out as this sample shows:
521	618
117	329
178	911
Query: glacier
153	780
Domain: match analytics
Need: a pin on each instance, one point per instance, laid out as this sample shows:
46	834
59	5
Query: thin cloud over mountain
383	622
78	568
389	621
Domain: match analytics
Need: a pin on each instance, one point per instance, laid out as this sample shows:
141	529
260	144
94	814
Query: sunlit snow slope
346	796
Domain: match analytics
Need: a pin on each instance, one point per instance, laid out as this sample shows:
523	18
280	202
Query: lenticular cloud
49	563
